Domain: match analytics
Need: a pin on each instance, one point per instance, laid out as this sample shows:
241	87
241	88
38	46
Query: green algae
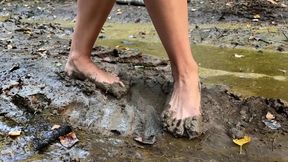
266	87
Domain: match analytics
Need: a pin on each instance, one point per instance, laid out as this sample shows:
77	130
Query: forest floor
35	94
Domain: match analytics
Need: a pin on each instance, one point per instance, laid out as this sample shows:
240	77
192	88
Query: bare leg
170	17
91	16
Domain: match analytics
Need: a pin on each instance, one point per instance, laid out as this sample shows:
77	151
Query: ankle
77	56
187	75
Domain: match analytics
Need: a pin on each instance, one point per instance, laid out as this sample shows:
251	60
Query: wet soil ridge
266	9
86	107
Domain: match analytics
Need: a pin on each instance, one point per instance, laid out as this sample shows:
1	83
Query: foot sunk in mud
115	89
83	68
191	127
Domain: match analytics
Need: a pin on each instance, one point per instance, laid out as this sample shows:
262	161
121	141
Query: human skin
170	18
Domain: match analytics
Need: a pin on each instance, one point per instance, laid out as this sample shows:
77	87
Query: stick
52	136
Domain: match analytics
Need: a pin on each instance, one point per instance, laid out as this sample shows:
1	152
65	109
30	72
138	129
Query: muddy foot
191	127
183	116
83	69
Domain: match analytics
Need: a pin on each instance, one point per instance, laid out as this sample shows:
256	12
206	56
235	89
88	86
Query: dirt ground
237	24
35	94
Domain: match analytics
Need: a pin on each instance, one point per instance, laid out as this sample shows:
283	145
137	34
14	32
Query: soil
237	24
35	94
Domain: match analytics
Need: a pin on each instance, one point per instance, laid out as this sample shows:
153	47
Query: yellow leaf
242	141
119	47
257	16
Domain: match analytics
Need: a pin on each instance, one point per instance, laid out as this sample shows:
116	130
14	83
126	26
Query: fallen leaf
272	1
283	5
270	116
255	20
283	71
257	16
14	133
242	141
119	47
55	127
119	12
148	141
9	46
68	140
238	56
193	9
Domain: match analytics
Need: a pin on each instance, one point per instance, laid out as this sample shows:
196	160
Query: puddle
225	66
231	67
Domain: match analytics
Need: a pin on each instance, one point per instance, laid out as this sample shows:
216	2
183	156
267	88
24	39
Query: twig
41	144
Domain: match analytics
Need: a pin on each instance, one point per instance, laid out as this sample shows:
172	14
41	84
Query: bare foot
183	114
83	67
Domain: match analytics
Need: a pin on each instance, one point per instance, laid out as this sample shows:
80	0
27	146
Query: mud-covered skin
115	89
189	127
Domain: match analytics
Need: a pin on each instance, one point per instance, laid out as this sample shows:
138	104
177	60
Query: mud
190	127
35	95
211	23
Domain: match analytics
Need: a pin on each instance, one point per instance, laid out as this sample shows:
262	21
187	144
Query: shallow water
260	73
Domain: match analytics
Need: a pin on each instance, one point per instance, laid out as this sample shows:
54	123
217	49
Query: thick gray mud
35	94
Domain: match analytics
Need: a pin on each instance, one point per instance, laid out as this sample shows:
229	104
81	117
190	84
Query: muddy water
248	72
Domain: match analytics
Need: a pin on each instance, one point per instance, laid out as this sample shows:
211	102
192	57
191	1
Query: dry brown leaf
257	16
55	127
270	116
69	140
272	1
14	133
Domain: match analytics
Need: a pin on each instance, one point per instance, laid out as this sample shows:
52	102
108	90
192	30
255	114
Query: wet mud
35	94
218	23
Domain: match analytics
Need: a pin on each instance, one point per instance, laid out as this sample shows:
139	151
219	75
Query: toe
193	126
167	119
172	125
179	129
